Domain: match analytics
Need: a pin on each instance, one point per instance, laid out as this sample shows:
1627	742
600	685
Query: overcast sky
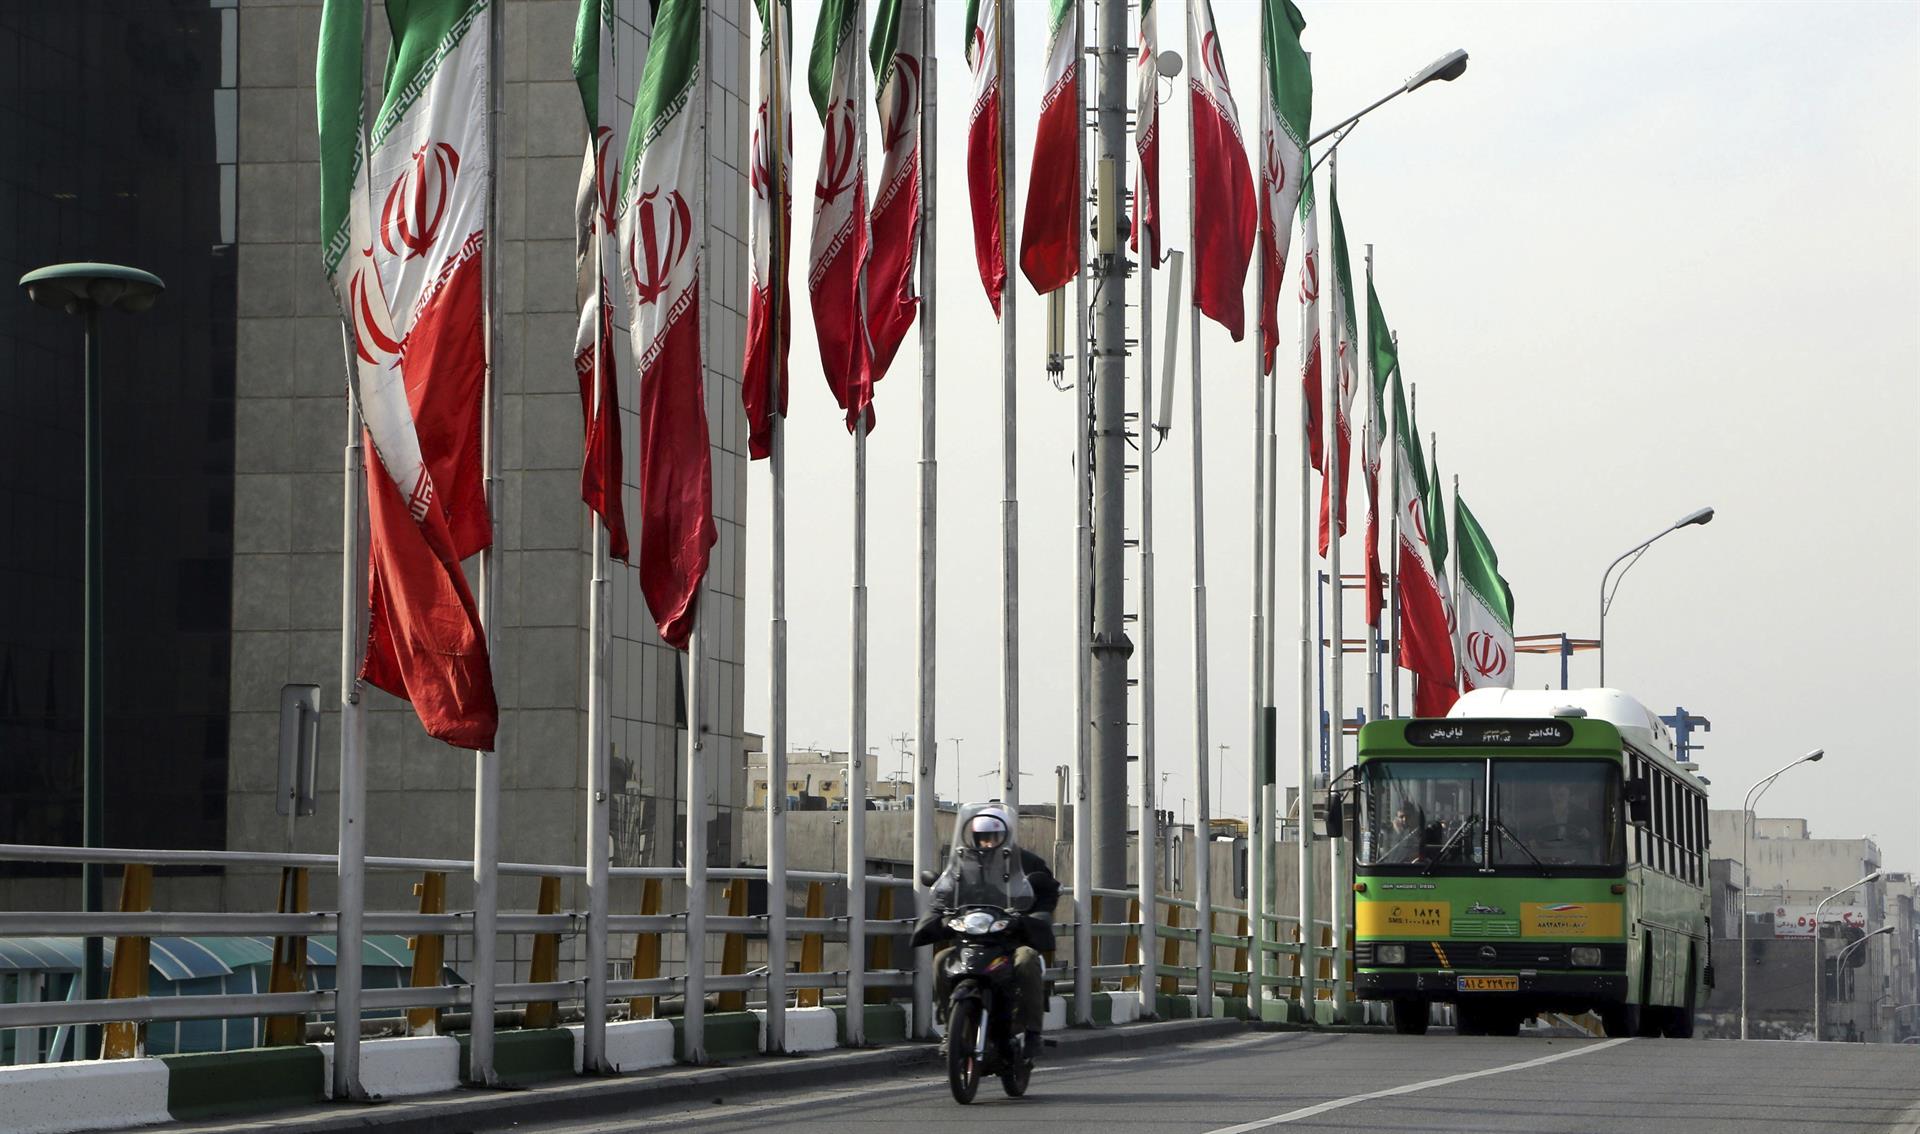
1641	258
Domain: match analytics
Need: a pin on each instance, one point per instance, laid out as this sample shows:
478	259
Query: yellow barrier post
429	953
545	963
646	951
1240	960
812	946
126	1040
289	973
1170	954
880	949
733	947
1131	955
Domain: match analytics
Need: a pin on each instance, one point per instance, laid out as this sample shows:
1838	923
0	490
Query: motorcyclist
987	830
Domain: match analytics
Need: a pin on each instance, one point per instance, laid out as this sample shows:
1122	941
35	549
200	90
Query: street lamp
1697	516
1820	950
83	289
1840	961
1445	69
1746	871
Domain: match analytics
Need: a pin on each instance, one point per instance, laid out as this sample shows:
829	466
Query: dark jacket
1036	927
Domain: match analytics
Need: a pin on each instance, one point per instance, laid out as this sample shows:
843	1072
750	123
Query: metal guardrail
1148	976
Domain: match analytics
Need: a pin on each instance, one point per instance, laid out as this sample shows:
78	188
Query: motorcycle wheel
963	1071
1013	1079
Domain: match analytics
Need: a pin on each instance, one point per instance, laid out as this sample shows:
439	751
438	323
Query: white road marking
1411	1088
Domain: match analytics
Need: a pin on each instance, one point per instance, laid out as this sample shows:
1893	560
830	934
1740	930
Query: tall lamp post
1819	950
1746	871
1698	516
1839	962
83	289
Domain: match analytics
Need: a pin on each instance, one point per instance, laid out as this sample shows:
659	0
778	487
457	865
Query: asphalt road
1362	1082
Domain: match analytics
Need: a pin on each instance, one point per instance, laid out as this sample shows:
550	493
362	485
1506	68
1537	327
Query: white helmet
988	829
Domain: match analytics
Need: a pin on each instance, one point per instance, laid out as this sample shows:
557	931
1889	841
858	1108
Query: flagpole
353	747
1337	631
1083	899
1373	504
856	785
1202	747
1149	821
1267	755
925	842
1393	541
486	765
1009	453
599	805
1308	877
1256	850
693	984
779	192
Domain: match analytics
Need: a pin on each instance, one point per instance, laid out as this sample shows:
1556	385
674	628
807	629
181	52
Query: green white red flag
1223	230
1485	605
763	374
1286	114
837	260
1426	636
1435	697
661	217
1311	395
403	228
898	42
1050	231
987	165
1146	132
1384	360
1346	356
594	259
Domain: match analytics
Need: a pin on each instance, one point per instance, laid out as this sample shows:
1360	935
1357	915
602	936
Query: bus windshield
1550	813
1423	813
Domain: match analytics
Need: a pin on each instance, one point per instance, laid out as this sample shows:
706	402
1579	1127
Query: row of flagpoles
408	205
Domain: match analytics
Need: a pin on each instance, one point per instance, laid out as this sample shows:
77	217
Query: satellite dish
1170	63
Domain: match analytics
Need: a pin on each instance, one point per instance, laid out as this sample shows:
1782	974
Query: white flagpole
1202	747
1083	942
857	754
1256	850
1393	541
925	842
1308	878
779	190
353	748
486	765
1149	822
1009	452
1336	323
593	1033
1373	548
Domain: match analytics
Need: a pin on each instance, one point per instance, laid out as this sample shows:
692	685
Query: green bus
1534	851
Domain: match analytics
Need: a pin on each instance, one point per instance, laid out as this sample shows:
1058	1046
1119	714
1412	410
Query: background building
179	136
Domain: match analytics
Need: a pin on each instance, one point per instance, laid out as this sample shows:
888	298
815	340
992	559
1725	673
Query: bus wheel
1679	1022
1620	1020
1410	1017
1504	1021
1469	1019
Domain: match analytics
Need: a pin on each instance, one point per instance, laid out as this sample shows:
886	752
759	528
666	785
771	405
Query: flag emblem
836	161
417	203
906	97
650	260
1488	656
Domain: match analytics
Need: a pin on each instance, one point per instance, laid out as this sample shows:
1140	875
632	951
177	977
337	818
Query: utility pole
1110	268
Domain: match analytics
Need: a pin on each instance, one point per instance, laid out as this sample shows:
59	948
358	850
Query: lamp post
1445	69
1819	950
1840	960
1698	516
1746	871
83	289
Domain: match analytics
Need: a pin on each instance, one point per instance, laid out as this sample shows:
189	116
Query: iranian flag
1146	133
1426	637
1050	232
1223	227
1286	112
837	260
1310	390
986	147
1385	359
1485	606
1434	698
763	373
1346	359
661	218
892	298
409	280
593	356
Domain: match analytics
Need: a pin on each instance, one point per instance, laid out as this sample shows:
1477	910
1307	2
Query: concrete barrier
808	1029
52	1098
402	1066
632	1045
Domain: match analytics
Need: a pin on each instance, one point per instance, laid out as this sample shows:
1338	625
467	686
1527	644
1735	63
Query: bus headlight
1391	954
1585	956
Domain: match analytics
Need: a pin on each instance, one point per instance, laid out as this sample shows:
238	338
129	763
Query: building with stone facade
180	138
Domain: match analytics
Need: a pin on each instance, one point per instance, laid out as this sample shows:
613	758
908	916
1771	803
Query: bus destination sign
1466	733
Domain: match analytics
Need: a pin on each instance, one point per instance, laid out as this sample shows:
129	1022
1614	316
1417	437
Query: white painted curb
53	1098
1125	1006
401	1066
1056	1014
632	1045
808	1029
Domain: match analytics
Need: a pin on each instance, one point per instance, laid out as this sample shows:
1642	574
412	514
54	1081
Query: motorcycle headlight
977	921
1585	956
1000	925
1390	954
957	924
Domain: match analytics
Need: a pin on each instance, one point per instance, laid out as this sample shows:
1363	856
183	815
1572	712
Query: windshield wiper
1468	825
1500	826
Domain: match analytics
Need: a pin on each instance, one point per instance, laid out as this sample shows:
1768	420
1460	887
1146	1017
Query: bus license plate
1488	984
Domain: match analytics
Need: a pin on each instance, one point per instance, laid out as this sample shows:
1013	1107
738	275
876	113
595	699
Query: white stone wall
289	422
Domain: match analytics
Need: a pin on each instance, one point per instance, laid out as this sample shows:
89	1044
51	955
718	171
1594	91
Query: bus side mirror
1639	801
1336	807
